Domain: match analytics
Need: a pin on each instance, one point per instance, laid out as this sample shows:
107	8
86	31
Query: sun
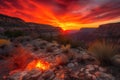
67	25
64	26
64	29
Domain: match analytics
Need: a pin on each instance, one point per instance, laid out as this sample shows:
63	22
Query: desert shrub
15	33
103	51
61	59
64	40
5	49
47	38
55	43
4	42
66	49
75	44
49	49
20	58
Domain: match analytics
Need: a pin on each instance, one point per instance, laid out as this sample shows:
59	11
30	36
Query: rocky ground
65	63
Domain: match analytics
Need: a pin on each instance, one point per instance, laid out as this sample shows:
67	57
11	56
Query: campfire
40	64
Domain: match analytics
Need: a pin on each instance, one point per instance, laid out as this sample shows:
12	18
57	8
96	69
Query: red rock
61	59
97	74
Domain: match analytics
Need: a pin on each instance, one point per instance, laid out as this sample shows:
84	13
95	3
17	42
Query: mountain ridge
6	21
14	22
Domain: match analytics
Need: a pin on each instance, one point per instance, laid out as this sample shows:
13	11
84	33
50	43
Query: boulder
116	60
61	59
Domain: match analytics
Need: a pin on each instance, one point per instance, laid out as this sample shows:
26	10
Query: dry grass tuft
103	51
66	49
4	42
20	58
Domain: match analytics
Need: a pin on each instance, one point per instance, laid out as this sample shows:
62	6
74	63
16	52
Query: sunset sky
68	14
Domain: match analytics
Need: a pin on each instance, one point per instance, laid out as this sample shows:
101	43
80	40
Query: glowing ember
43	65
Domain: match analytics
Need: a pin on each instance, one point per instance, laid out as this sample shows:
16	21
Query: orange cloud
68	14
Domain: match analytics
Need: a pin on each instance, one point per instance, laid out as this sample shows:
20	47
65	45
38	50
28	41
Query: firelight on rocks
40	64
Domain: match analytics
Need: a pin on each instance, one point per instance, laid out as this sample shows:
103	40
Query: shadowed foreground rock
71	65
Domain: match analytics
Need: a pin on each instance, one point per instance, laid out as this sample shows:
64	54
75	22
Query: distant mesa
7	21
14	23
109	32
87	30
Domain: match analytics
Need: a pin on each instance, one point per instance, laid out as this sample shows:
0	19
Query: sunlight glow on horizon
67	14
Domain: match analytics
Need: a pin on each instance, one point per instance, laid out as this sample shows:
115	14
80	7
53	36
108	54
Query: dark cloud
46	11
15	3
3	4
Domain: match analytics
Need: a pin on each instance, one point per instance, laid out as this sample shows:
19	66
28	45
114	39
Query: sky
67	14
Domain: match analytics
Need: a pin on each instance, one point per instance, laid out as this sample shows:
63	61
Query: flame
40	64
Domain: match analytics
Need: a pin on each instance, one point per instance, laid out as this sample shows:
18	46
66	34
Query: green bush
103	51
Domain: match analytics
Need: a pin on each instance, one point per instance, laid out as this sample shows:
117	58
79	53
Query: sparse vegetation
103	51
49	49
64	40
16	33
65	49
4	42
21	56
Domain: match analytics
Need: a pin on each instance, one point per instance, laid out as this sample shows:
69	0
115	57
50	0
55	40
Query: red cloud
61	11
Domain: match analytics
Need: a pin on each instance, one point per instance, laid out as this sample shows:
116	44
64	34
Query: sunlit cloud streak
68	14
